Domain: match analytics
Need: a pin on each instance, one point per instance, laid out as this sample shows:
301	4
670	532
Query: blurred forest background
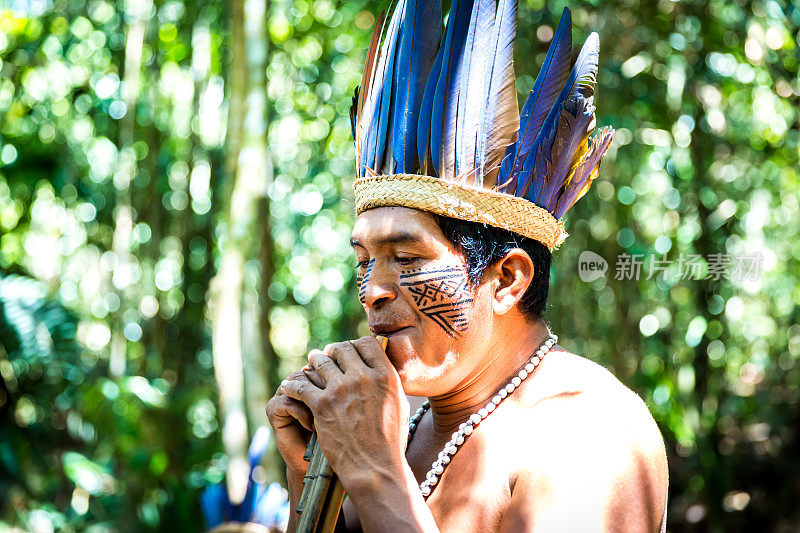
175	207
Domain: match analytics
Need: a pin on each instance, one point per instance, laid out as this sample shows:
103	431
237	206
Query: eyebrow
395	238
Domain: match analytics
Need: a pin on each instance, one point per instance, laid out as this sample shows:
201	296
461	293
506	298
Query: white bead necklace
466	429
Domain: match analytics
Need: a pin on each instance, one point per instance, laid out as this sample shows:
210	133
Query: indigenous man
458	199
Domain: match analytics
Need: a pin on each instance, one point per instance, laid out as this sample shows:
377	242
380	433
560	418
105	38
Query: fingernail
284	383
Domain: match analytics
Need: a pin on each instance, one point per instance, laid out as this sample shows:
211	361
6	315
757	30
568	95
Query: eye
405	261
362	264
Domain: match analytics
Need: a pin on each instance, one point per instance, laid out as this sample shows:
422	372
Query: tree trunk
248	165
124	213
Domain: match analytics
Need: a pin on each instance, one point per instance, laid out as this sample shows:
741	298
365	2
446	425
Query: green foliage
114	195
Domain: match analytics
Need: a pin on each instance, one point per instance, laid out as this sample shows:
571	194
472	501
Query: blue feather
445	100
382	87
476	55
421	34
540	100
507	184
579	83
424	126
560	147
384	119
499	112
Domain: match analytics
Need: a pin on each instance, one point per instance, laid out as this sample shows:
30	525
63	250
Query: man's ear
513	274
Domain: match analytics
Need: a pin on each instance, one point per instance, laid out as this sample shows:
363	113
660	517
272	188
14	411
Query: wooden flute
323	494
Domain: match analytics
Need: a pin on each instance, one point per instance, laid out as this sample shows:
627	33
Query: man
518	434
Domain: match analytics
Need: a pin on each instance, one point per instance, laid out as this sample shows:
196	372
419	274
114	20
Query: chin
419	379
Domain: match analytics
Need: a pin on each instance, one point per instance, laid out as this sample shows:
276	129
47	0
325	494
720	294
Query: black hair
483	245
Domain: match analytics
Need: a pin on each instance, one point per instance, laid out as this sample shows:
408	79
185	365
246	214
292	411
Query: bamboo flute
323	493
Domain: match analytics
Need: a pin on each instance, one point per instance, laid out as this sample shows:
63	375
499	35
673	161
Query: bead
433	481
535	360
483	413
490	407
516	381
540	352
460	440
497	399
452	450
444	460
510	388
475	419
462	425
529	368
430	475
503	393
438	469
426	404
523	374
468	430
426	491
454	436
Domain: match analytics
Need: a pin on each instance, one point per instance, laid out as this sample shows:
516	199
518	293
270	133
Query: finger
300	412
293	375
283	411
324	365
369	349
313	376
346	356
301	388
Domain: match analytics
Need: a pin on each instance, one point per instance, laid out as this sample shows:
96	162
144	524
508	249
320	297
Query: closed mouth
386	330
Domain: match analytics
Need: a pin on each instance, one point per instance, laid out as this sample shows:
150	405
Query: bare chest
475	487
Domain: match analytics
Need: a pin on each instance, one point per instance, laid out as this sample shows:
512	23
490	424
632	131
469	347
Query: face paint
361	282
442	294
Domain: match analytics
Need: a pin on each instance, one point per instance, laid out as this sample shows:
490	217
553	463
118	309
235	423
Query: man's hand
292	424
359	409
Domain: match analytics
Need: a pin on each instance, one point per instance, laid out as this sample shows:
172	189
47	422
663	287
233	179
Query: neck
503	358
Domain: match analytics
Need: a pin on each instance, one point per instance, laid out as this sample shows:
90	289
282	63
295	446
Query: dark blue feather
476	55
421	34
354	115
507	184
579	83
424	126
445	100
499	111
541	98
560	146
382	89
383	144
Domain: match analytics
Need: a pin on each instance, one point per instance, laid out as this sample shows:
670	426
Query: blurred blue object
265	505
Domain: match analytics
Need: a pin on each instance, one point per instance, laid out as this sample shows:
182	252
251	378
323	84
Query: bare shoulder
586	393
590	443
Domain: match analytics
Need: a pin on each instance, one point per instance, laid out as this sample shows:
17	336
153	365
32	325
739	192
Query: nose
375	287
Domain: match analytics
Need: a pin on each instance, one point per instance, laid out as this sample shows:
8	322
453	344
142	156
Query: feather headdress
437	126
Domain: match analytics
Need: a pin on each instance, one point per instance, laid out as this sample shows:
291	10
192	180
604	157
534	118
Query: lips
386	329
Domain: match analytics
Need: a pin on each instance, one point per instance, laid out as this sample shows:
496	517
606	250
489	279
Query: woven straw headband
464	202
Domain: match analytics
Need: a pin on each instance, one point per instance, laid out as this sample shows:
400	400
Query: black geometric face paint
361	282
442	294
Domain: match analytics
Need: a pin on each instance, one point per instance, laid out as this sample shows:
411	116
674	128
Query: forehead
387	225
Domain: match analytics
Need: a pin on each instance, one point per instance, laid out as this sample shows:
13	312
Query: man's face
413	285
